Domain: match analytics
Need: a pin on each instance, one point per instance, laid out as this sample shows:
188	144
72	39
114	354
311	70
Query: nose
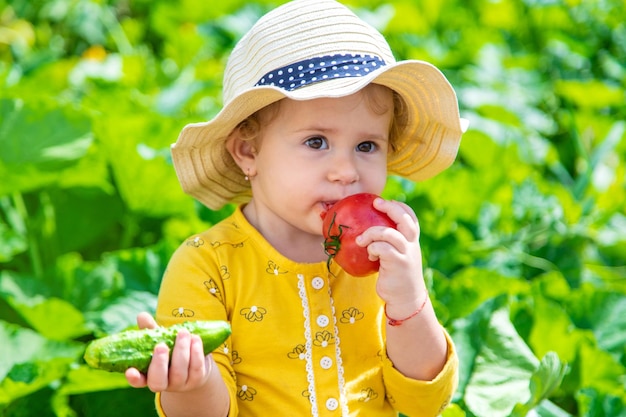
343	170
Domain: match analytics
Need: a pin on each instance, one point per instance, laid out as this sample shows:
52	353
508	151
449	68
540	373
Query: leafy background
524	237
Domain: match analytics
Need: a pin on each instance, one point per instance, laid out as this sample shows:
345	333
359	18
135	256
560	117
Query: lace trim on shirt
308	345
342	382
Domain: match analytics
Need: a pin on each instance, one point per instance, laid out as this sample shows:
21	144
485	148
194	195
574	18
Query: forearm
210	400
417	347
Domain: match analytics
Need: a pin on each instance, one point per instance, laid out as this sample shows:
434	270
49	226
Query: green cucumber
134	348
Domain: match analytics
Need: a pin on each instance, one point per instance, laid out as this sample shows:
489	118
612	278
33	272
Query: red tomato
342	223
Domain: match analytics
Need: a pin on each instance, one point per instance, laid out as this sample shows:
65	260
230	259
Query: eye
316	142
366	147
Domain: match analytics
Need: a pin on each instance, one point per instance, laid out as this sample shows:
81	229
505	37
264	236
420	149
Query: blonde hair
250	127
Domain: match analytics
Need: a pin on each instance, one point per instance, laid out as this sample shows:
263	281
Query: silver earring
247	177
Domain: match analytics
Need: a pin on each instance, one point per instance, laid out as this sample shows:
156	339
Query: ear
242	151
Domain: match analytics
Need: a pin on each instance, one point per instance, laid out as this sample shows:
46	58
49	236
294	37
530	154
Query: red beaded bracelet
394	322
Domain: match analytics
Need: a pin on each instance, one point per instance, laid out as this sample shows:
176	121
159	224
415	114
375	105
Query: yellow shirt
305	341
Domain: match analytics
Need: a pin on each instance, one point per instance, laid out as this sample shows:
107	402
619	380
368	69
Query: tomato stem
332	243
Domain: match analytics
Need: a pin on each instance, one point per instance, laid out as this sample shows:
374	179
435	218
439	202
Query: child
316	109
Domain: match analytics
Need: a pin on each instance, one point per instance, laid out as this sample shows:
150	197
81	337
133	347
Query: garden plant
524	237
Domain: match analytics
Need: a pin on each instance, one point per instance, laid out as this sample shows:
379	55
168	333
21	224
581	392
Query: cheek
284	177
375	174
381	182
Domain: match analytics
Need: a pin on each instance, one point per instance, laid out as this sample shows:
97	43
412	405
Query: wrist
397	314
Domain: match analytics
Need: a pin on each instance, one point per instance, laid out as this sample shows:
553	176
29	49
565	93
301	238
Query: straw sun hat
308	49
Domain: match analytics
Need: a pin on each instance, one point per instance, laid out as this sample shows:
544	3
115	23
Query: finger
391	248
383	235
403	215
146	321
159	367
396	210
135	378
378	250
198	365
179	370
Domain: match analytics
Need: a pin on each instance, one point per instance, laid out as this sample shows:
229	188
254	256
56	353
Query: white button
326	362
322	320
317	283
332	404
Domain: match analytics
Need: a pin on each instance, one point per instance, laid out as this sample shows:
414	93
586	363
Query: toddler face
313	153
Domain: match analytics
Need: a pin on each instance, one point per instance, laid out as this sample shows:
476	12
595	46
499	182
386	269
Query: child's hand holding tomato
365	233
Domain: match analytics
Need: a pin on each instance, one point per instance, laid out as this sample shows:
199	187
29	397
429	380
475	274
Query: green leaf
544	381
42	143
591	93
501	363
142	268
471	287
137	144
553	330
84	379
128	402
610	328
30	361
122	313
13	239
87	285
596	368
600	169
604	313
52	317
43	134
500	113
594	402
547	408
80	219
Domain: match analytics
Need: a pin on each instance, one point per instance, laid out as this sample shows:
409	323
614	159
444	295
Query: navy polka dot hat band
307	49
312	70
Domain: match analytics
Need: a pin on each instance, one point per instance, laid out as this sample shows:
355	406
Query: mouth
326	205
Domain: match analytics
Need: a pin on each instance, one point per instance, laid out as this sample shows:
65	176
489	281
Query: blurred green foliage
524	237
